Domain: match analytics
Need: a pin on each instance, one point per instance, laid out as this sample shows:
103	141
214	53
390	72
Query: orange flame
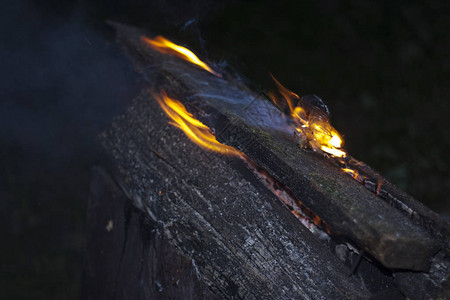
195	130
379	184
354	174
311	121
163	45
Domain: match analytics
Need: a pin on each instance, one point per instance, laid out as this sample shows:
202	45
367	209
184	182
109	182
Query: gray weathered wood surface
244	242
348	208
126	258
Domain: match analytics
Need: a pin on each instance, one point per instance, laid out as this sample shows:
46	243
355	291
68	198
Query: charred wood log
225	215
243	241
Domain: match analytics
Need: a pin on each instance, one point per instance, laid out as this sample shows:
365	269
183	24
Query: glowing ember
379	184
311	120
162	44
195	130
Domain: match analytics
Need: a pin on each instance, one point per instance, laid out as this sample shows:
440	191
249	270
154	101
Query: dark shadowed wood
126	257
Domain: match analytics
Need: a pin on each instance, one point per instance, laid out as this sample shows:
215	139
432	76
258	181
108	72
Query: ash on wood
241	240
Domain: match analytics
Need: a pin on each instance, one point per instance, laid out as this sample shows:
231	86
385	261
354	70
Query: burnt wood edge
434	223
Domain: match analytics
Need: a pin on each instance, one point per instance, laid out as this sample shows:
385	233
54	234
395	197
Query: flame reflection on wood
195	130
162	44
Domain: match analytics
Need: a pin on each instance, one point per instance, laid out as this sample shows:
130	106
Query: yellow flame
351	172
336	141
311	121
333	151
195	130
354	174
288	95
162	44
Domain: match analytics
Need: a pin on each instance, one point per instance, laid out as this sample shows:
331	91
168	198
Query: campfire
309	114
221	170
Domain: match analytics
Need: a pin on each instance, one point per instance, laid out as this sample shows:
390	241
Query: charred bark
224	215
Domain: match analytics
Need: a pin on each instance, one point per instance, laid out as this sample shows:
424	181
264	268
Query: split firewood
265	211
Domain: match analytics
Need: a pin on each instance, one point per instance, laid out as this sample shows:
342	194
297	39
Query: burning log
221	209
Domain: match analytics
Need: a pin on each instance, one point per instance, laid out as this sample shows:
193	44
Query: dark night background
382	67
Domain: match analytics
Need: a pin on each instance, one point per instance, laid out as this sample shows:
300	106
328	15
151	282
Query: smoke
61	83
